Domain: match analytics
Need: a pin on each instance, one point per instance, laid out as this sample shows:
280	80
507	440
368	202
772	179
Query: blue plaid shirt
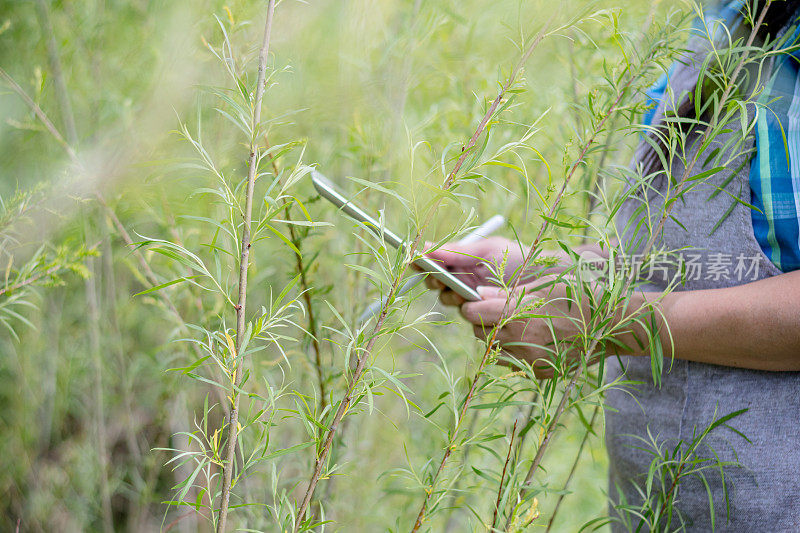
775	168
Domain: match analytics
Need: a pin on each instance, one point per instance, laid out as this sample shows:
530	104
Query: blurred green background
377	90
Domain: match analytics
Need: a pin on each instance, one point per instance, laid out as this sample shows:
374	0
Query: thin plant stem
150	276
548	434
30	280
594	180
69	148
450	524
669	493
528	418
305	287
421	515
343	407
92	306
147	271
241	306
573	76
48	124
58	73
55	305
573	468
136	508
503	477
367	351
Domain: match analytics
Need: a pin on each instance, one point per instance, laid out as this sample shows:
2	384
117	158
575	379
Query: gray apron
763	492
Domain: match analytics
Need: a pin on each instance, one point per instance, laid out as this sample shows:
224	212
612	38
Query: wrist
638	325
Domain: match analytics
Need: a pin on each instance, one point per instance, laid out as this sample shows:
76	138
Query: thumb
455	255
490	293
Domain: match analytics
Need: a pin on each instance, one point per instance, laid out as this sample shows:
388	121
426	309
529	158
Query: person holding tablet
734	327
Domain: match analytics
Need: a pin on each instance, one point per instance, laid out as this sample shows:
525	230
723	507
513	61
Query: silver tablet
328	191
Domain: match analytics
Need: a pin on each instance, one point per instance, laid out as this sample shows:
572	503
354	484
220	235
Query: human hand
469	262
550	326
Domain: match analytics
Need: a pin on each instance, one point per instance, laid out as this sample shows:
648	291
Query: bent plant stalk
241	306
680	189
367	351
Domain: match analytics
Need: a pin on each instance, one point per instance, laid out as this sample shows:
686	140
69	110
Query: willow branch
305	287
573	468
58	73
48	124
147	271
241	306
27	281
503	477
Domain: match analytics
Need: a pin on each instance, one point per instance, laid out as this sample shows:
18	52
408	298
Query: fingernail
490	292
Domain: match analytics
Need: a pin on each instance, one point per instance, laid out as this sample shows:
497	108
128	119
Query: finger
510	334
489	292
513	338
543	287
454	254
551	284
543	370
451	298
433	283
484	312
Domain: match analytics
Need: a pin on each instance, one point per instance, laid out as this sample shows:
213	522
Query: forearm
756	325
